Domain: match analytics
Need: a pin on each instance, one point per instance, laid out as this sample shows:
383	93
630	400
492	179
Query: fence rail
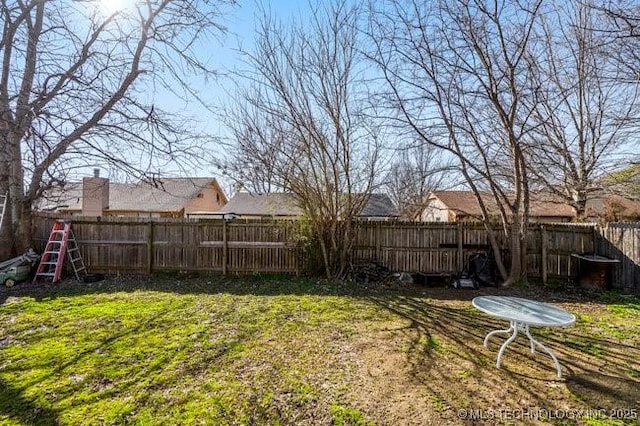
246	246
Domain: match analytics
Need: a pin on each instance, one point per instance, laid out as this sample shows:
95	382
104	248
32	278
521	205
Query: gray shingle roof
272	204
379	205
283	204
167	195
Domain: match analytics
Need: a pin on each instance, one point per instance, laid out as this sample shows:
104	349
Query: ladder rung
51	252
49	263
45	274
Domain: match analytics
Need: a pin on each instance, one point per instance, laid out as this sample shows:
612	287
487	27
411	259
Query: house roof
459	201
379	205
163	195
271	204
284	204
624	208
547	205
465	203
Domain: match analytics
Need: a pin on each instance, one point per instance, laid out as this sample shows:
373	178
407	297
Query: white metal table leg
514	327
507	331
547	350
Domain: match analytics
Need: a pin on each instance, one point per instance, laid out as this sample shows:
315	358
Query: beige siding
435	211
209	200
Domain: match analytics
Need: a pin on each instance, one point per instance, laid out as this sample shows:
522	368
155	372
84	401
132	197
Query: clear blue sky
224	56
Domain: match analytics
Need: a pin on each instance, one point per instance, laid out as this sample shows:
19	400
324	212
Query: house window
200	195
218	198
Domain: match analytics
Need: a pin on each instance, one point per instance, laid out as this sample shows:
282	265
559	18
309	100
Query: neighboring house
463	206
613	208
162	198
282	205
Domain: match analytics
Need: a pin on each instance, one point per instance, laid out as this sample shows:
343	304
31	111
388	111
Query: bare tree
584	112
623	24
73	91
457	78
416	171
299	124
254	161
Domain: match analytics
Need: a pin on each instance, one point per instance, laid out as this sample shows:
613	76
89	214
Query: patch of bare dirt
430	366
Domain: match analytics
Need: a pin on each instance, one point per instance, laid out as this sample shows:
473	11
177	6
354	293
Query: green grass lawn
209	350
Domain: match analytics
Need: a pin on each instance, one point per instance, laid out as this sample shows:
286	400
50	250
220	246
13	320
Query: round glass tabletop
524	311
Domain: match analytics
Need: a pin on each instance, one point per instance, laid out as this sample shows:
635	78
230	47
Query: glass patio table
521	314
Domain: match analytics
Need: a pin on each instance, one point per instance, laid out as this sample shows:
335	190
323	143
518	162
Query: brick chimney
95	194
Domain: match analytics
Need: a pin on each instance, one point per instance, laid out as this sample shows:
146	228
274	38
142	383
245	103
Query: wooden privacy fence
136	247
116	245
622	241
446	248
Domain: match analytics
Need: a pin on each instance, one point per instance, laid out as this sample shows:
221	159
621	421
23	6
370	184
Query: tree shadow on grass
449	350
603	372
15	406
154	370
445	334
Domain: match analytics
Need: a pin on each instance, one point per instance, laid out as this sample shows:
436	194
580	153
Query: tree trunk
515	243
21	209
580	204
497	253
6	232
23	227
325	252
523	258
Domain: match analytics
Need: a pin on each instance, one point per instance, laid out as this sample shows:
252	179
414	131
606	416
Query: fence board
622	241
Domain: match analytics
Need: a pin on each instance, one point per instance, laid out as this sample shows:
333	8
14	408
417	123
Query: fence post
378	234
150	247
460	247
225	246
543	254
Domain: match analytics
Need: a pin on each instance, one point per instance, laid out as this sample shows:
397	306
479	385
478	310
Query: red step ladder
61	244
